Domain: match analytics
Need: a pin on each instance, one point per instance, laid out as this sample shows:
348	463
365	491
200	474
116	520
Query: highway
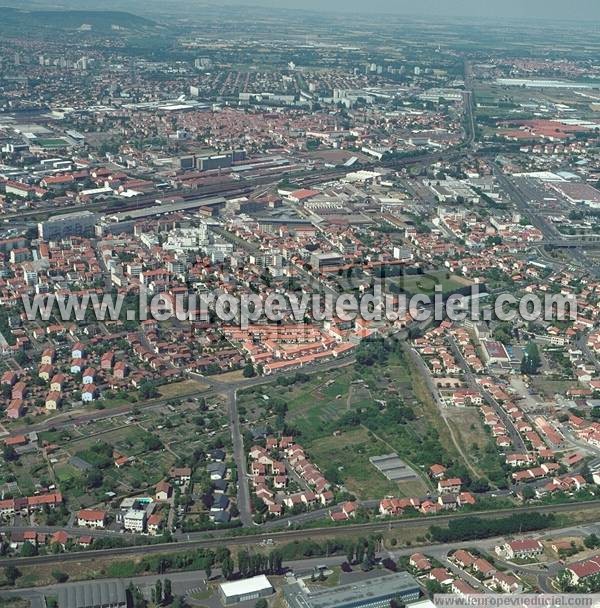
575	249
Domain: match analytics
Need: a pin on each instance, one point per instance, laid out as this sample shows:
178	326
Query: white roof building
245	590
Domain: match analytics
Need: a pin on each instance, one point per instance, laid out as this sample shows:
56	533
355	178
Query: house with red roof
91	518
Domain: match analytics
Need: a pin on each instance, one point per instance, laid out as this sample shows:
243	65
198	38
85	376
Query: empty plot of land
393	467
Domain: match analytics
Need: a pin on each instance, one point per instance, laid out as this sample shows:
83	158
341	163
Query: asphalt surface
184	583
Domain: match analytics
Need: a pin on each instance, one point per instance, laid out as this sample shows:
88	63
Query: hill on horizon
57	19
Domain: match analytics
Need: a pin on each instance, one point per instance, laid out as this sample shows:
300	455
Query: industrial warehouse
245	590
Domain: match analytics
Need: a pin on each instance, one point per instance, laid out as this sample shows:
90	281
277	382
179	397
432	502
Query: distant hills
96	21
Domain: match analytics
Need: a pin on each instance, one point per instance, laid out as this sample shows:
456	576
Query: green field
426	283
51	143
349	453
65	472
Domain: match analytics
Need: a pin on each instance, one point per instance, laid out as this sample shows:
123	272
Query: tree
528	493
276	561
563	582
167	591
592	541
222	553
94	478
28	549
360	551
11	573
243	562
135	599
227	567
249	371
207	571
531	361
366	563
158	590
60	576
433	587
9	453
152	442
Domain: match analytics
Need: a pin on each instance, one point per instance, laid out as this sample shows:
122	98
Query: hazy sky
584	10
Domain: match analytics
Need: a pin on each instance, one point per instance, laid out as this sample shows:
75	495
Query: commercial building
220	161
326	260
80	223
494	352
245	590
97	594
370	593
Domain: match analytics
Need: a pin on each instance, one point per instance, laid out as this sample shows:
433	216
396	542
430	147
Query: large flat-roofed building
369	593
494	352
326	260
165	209
245	590
97	594
220	161
80	223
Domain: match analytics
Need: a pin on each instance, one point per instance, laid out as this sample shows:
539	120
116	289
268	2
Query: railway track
288	535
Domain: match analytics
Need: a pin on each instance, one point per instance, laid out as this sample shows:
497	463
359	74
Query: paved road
244	503
514	434
518	193
185	581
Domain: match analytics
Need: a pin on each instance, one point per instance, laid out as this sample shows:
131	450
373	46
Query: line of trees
469	528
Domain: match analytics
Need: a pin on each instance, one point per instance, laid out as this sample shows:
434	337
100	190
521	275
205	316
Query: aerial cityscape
299	308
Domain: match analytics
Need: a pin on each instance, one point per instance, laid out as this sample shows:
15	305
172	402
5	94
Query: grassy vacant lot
549	388
395	407
311	405
181	389
66	472
350	452
477	443
425	283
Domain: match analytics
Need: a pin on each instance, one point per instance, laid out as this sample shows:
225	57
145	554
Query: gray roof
216	467
79	463
135	214
91	594
360	593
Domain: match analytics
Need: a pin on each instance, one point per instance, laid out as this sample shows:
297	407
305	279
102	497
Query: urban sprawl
311	459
